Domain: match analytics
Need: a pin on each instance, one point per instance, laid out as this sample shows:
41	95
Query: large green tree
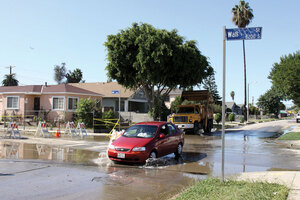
154	59
241	17
74	77
285	75
270	102
10	80
59	72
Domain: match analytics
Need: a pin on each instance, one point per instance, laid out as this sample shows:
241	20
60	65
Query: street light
253	82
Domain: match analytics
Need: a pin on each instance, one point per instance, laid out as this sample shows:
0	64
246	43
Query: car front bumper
185	126
132	156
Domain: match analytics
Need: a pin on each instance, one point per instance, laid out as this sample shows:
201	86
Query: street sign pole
118	92
234	34
223	101
119	109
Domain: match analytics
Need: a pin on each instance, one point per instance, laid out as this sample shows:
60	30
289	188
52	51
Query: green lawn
214	189
290	136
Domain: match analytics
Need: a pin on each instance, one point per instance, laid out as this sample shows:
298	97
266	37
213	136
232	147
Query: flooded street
66	171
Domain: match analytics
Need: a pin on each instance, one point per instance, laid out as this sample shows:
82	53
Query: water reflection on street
13	150
244	151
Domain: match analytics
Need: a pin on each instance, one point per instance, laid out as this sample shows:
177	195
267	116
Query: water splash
103	159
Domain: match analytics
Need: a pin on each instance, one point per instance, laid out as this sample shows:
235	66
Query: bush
228	110
109	115
231	117
218	118
216	108
84	111
242	120
159	110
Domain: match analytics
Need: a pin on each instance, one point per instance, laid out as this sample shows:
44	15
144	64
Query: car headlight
139	149
111	146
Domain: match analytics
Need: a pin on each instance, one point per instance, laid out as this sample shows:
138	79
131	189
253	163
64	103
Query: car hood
131	142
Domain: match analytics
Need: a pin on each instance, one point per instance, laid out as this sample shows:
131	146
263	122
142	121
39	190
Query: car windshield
140	131
186	110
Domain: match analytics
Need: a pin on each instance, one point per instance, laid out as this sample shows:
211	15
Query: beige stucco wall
45	104
19	111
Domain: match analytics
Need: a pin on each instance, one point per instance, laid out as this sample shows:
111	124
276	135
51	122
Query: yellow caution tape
108	122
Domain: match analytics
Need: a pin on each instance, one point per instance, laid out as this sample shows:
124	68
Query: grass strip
213	189
290	136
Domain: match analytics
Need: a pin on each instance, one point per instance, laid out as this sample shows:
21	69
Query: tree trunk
148	95
245	83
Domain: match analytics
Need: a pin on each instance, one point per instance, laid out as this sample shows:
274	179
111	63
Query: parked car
147	140
298	118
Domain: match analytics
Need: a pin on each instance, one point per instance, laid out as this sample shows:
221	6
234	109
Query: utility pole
10	70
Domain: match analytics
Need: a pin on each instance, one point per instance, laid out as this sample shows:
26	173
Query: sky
37	35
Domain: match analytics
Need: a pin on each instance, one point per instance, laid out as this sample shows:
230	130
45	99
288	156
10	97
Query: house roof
21	89
106	89
49	89
229	104
173	92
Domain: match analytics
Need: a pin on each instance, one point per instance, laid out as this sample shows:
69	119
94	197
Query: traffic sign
115	92
244	33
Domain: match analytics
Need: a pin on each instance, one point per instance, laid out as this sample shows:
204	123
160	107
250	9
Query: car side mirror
162	136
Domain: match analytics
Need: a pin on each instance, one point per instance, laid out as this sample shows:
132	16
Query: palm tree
10	80
232	95
241	17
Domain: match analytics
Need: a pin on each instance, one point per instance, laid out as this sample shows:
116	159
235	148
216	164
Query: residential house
131	100
236	109
57	101
172	96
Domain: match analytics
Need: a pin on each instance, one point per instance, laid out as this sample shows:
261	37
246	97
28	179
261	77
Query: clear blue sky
36	35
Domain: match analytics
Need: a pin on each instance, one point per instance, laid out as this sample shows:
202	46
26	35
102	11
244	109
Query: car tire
209	126
196	128
178	151
153	155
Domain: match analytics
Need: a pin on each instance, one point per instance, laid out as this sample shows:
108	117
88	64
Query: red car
147	140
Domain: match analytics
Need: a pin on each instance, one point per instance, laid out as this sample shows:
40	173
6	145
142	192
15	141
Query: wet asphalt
41	171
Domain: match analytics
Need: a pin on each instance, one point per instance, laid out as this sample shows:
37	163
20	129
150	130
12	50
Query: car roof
154	123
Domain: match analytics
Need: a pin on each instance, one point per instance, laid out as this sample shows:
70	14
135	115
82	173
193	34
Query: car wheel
209	126
196	127
178	150
153	155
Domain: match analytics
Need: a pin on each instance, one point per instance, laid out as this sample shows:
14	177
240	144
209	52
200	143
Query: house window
58	103
12	102
72	103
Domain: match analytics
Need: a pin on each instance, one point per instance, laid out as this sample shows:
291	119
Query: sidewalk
289	178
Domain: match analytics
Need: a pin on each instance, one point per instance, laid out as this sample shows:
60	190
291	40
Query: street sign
118	92
115	92
244	33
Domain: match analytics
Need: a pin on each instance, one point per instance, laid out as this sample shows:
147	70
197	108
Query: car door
163	144
173	138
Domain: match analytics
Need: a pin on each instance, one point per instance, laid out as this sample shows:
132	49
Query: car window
172	129
140	131
164	130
